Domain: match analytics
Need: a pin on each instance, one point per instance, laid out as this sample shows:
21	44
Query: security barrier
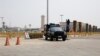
35	35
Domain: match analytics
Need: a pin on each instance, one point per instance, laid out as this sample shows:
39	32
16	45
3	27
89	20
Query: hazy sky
25	12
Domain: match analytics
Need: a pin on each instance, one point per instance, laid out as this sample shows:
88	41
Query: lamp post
47	11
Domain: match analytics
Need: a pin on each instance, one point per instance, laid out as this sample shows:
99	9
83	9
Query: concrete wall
79	27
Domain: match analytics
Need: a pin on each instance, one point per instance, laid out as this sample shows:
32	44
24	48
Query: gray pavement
75	46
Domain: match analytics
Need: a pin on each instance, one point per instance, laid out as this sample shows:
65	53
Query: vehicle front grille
59	33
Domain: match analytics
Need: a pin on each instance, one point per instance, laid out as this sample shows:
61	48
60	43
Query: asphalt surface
75	46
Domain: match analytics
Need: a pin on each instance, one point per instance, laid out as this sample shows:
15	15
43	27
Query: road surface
75	46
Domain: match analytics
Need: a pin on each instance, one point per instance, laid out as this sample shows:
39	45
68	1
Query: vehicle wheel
64	38
56	38
51	38
46	38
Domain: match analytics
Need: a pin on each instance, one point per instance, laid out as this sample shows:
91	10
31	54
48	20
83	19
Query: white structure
42	22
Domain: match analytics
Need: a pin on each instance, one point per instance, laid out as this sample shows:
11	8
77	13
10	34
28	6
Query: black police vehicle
54	31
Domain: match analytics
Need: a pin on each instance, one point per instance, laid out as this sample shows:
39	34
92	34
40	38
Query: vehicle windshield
56	29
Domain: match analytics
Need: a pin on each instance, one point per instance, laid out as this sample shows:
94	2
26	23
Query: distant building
42	22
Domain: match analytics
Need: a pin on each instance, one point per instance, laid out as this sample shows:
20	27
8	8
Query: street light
47	11
61	17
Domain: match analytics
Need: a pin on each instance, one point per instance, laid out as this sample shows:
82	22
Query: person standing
67	25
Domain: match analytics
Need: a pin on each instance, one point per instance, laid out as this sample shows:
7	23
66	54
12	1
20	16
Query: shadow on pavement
54	40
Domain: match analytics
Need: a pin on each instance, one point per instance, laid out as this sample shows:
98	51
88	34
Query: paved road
39	47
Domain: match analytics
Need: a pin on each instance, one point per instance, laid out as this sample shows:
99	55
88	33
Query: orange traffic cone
18	41
7	41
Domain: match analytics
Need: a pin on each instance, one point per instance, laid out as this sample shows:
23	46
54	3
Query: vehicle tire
51	38
46	38
64	38
56	38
